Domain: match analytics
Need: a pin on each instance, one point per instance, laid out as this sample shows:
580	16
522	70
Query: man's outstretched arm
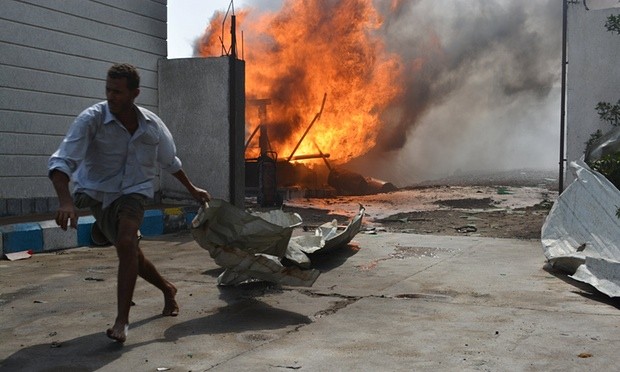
199	194
66	215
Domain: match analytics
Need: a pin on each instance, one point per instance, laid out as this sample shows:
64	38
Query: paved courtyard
390	301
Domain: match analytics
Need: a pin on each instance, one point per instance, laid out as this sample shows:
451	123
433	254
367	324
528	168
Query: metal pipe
233	36
324	157
263	139
316	117
252	136
308	157
232	115
563	97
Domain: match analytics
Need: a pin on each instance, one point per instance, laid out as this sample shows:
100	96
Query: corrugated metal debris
581	233
252	246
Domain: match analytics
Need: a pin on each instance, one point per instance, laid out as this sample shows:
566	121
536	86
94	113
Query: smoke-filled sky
483	90
491	97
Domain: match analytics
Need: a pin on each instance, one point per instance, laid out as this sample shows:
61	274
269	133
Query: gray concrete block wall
238	142
592	75
195	104
53	60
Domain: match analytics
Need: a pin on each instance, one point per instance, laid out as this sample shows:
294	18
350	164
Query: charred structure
267	173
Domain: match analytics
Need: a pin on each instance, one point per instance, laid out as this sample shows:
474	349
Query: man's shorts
130	206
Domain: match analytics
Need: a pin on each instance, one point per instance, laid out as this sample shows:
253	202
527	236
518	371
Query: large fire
305	52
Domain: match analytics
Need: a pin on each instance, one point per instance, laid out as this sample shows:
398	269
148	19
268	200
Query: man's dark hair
125	70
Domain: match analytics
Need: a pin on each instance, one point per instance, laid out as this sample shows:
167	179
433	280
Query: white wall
54	55
593	75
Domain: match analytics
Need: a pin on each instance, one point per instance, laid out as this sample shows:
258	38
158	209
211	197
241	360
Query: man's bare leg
148	272
128	265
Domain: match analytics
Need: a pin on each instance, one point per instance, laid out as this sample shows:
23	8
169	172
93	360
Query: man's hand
197	193
201	195
67	216
66	212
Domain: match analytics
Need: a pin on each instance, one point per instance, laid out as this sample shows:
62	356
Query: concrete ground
390	302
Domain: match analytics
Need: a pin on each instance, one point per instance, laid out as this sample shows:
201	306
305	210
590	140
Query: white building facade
593	72
54	56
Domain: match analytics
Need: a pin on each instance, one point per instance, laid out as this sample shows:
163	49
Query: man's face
120	98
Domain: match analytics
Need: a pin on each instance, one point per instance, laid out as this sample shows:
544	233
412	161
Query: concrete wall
593	75
53	59
195	104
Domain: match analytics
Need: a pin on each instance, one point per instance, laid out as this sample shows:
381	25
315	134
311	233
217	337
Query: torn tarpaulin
252	245
580	234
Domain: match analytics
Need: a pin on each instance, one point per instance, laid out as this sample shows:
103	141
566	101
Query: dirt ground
510	204
520	223
513	205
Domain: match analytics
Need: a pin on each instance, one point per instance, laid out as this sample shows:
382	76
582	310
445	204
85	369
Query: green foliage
593	137
609	166
609	113
613	23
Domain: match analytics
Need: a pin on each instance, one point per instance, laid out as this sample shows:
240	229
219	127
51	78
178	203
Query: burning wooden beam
306	157
316	117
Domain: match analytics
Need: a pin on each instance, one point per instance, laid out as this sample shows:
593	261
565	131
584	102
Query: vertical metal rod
224	51
232	114
563	97
233	36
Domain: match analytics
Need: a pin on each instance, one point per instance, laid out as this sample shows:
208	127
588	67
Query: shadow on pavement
327	261
586	290
85	353
95	351
243	315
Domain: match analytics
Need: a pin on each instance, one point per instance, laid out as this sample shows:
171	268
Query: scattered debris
374	230
503	191
466	229
286	367
467	203
90	278
19	255
350	183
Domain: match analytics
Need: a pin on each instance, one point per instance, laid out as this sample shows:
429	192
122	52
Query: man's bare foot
118	333
171	308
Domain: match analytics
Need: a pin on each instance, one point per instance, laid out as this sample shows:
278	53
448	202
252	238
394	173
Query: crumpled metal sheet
607	144
252	245
249	246
581	233
328	237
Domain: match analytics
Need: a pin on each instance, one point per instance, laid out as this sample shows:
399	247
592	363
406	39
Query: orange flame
305	51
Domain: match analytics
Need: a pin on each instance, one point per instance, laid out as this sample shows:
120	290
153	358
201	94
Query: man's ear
136	93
